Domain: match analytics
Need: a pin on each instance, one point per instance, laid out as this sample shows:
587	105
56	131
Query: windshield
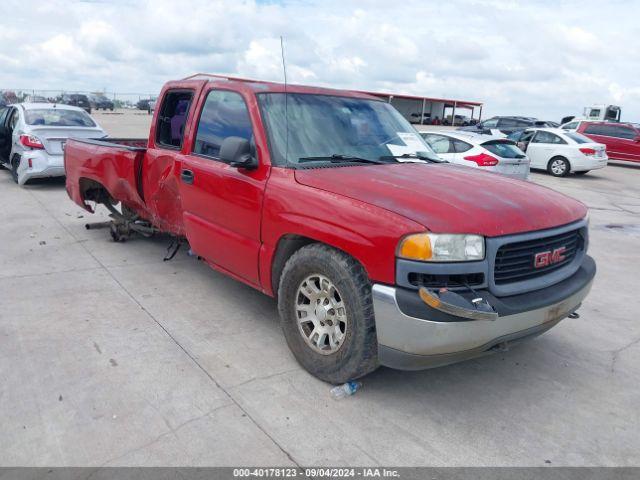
56	117
322	126
578	138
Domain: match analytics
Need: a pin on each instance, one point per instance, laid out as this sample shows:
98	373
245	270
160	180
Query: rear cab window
173	118
224	114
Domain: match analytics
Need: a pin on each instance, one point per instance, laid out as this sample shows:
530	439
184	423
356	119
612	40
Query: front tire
326	313
559	167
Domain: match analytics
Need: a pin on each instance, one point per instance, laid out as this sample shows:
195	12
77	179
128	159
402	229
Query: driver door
5	135
223	204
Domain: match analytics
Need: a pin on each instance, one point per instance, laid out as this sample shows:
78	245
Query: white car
490	153
33	135
571	126
561	152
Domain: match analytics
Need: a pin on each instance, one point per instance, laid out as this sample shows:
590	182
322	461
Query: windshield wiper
338	158
415	156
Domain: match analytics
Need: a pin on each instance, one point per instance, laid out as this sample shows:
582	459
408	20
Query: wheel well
94	191
287	246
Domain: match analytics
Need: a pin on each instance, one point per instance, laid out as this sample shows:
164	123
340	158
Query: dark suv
76	100
506	125
101	102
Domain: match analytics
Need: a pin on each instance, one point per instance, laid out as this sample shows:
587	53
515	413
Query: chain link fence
120	100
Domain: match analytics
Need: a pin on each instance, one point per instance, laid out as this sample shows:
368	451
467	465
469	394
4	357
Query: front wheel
326	313
559	167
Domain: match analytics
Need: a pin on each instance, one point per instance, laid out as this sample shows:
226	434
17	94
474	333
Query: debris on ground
345	390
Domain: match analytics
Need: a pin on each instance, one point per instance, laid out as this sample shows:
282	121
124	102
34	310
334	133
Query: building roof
293	88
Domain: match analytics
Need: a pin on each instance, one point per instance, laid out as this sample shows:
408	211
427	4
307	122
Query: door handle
187	176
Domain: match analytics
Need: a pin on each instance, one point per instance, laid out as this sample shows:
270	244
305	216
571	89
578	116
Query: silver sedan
33	135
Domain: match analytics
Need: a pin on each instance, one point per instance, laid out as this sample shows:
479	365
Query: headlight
442	247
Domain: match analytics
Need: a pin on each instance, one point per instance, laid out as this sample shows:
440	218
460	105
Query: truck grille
515	261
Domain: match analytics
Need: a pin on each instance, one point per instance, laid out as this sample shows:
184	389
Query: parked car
143	104
622	140
492	154
504	126
500	126
461	120
100	102
76	100
378	252
33	135
560	152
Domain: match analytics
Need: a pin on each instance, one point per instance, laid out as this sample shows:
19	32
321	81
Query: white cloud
545	58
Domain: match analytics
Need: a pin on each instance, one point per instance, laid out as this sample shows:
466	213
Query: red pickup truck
378	252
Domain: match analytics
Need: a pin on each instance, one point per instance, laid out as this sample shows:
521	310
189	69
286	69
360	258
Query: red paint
235	218
609	134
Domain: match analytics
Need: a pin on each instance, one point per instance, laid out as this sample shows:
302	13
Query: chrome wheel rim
558	167
321	314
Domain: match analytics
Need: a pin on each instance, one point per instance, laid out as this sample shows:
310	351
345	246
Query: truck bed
113	163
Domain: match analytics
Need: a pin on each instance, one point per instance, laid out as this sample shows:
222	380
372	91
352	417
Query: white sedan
33	135
487	152
561	152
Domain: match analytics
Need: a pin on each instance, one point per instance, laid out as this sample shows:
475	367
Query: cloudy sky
538	58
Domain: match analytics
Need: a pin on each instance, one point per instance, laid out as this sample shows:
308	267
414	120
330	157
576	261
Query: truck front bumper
410	339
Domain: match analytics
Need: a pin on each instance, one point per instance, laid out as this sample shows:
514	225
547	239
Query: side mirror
236	151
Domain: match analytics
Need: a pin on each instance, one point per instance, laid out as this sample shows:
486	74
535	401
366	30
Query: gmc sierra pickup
377	251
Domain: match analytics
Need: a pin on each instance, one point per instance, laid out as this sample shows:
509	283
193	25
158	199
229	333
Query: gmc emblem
550	257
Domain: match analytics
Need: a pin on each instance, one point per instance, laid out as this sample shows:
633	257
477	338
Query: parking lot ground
110	356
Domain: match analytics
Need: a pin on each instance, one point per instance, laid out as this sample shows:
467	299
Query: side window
173	118
491	123
624	132
526	136
547	137
570	126
440	143
461	146
595	129
507	122
3	115
224	114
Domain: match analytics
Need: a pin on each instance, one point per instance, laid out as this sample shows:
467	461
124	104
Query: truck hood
447	198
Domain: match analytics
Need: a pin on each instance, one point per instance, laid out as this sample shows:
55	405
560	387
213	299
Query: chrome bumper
410	343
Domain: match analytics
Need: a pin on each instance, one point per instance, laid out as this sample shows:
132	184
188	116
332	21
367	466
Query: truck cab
603	113
377	251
